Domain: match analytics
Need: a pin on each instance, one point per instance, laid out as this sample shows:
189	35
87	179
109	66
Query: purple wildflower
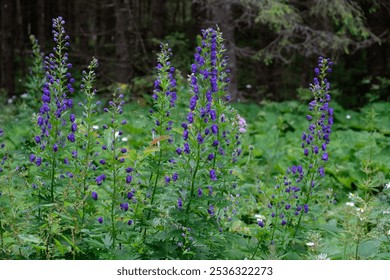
179	203
94	196
213	175
129	178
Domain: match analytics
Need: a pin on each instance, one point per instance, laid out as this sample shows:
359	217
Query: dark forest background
272	44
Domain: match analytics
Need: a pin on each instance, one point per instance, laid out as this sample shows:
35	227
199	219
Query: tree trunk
222	16
7	46
123	71
40	13
158	18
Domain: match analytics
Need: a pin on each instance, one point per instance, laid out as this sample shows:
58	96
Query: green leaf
369	248
30	238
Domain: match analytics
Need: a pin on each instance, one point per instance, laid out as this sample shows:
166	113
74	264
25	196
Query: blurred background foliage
271	44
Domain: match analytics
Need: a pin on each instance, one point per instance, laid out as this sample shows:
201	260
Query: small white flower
125	139
24	95
350	204
348	117
322	257
248	86
310	244
387	186
360	209
10	101
95	127
386	212
259	217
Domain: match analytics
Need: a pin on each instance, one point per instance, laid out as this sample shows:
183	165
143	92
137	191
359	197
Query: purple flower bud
130	195
193	100
129	170
100	220
71	138
325	157
200	138
37	139
99	179
185	134
200	192
260	223
193	68
187	148
214	129
102	161
179	203
175	177
32	158
129	178
210	157
55	148
213	175
167	179
178	151
130	222
190	117
124	206
213	115
94	196
211	210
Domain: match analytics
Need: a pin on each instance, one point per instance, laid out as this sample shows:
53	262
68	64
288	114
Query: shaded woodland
266	41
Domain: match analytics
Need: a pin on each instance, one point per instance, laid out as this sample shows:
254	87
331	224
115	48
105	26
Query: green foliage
279	15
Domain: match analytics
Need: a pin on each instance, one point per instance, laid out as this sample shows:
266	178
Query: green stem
256	249
300	215
1	234
193	184
113	198
154	189
357	251
52	173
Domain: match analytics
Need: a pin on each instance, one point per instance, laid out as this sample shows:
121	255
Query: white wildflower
348	117
322	257
350	204
95	127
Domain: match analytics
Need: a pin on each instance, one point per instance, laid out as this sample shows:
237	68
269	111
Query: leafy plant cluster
193	179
